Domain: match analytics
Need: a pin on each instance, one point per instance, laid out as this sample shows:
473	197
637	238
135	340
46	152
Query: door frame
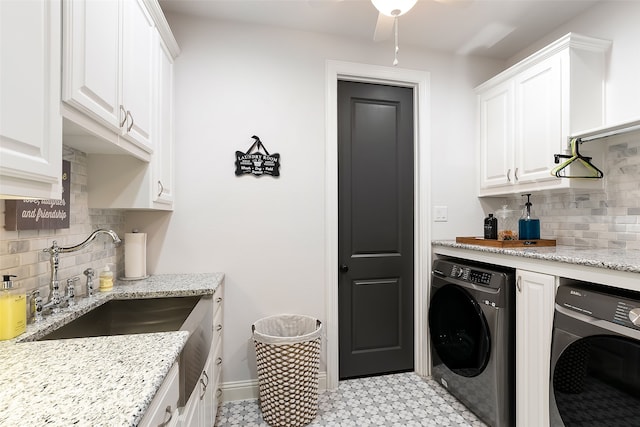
420	82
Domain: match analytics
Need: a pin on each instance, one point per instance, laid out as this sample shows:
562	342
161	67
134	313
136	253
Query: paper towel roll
135	255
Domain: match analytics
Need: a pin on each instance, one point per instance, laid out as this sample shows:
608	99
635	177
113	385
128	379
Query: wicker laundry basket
288	359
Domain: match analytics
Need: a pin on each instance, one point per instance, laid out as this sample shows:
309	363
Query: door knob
344	268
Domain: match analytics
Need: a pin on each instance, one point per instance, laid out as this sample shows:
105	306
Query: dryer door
595	378
459	331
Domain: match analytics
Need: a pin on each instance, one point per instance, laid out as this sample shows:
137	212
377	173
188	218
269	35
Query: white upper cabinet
108	66
92	62
30	121
528	112
163	168
138	67
119	180
538	124
496	130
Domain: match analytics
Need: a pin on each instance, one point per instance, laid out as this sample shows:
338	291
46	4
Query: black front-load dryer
471	325
595	357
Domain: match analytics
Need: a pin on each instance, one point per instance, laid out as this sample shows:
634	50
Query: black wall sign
256	163
47	214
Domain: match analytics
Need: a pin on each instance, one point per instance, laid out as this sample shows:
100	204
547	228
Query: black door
375	231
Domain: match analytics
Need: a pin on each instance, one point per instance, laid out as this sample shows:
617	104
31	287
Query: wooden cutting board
505	243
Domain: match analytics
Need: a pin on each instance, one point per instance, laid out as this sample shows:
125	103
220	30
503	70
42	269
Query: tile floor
398	400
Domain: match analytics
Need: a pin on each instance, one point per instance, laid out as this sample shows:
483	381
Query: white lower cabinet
535	299
201	408
163	410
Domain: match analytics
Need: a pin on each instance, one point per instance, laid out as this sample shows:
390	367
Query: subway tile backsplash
604	219
21	252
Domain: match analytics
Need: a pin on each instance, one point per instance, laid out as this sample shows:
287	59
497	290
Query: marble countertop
626	260
93	381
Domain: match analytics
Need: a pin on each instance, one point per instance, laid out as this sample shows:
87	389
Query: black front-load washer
595	357
472	330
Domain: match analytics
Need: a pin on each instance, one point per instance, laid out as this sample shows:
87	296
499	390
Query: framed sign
256	163
46	214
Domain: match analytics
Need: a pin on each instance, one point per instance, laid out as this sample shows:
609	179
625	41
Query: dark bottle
490	227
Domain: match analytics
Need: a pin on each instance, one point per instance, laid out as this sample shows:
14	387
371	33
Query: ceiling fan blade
384	28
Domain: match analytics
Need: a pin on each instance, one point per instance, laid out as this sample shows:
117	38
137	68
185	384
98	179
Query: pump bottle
528	228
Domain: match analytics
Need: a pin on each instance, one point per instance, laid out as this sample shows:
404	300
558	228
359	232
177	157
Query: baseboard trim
244	390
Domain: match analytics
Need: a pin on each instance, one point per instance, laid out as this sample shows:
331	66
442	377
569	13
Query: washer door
459	331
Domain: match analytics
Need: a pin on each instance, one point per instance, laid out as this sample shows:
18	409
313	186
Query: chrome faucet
55	299
90	273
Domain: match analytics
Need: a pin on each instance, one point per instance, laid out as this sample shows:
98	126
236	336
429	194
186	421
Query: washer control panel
470	275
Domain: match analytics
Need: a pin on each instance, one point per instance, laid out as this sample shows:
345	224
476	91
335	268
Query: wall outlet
440	214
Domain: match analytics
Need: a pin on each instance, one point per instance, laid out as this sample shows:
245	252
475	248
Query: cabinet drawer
163	407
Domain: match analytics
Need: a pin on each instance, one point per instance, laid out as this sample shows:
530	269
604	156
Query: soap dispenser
13	309
106	279
528	228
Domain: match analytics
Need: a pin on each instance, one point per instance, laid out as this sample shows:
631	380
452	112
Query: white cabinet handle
131	124
509	175
123	115
169	411
519	284
204	385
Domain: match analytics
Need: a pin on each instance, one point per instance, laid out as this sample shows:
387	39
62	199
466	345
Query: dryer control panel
620	309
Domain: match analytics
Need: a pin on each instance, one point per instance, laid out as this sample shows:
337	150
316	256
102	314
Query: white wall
266	234
616	21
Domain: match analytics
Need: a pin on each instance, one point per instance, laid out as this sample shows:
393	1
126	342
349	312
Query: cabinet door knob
344	268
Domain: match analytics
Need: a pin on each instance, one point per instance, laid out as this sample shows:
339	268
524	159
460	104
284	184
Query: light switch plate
440	214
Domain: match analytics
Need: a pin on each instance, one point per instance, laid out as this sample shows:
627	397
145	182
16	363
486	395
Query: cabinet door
496	136
30	121
91	60
207	398
162	185
535	299
163	409
191	416
538	121
138	75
